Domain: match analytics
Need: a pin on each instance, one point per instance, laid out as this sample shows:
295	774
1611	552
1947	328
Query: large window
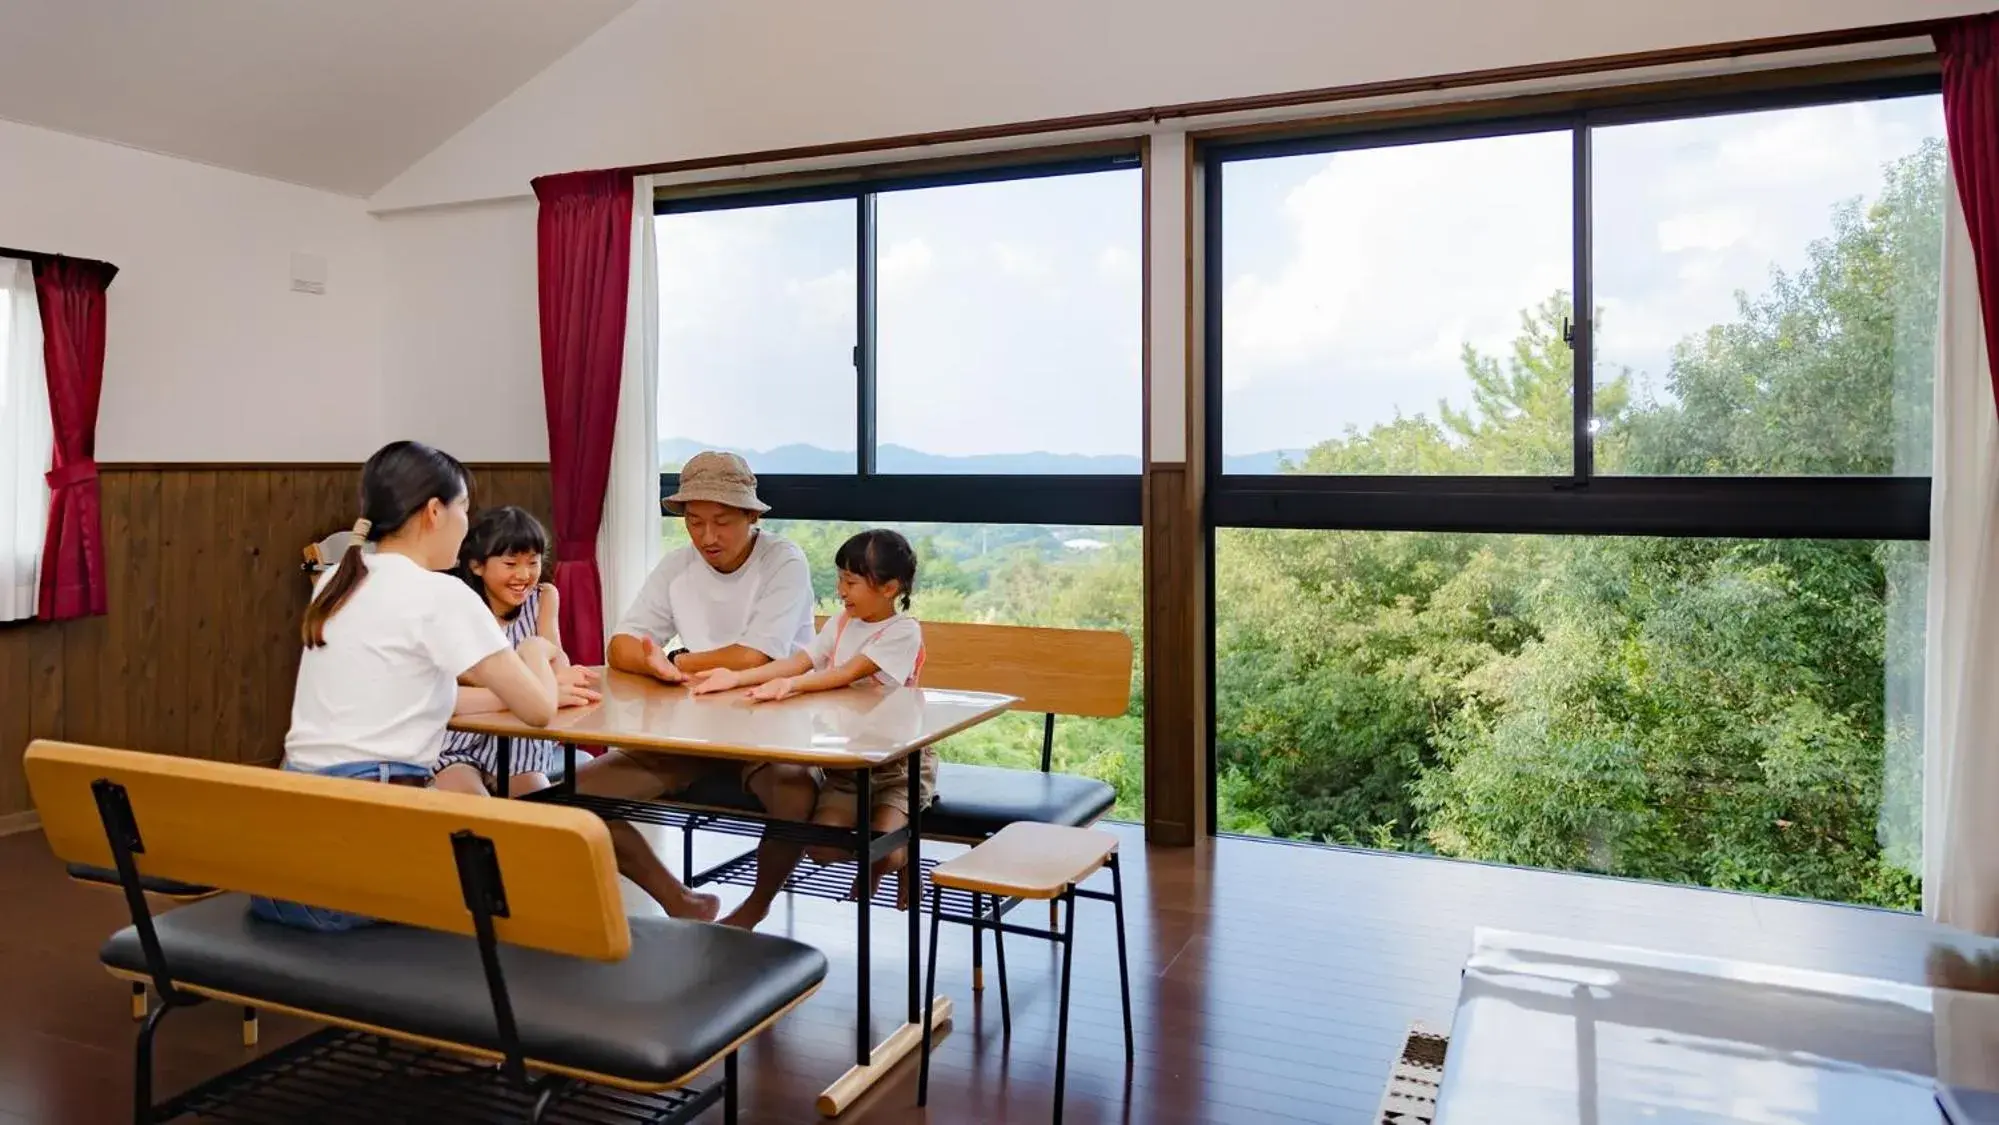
980	326
1637	591
954	356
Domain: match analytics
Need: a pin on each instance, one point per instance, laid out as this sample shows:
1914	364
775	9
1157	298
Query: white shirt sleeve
651	613
460	631
821	649
896	649
783	609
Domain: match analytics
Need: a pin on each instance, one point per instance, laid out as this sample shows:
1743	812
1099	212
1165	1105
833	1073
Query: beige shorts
888	787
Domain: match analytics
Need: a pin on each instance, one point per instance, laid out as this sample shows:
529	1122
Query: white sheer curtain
628	544
27	440
1961	694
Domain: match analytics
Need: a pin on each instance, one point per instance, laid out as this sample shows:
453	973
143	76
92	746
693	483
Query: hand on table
773	690
714	680
574	687
661	668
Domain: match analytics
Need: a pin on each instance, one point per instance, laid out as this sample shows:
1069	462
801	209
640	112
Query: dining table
855	730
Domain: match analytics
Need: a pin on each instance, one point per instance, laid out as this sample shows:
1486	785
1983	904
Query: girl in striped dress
501	560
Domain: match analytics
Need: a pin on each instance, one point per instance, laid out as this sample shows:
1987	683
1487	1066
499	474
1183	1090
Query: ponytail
400	480
346	579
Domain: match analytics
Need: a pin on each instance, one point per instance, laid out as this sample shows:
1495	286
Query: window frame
1096	499
1580	503
1802	507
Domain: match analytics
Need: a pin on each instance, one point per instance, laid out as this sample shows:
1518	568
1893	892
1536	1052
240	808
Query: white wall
208	355
671	80
461	356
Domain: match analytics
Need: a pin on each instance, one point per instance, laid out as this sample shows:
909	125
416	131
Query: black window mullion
864	330
1582	339
1695	507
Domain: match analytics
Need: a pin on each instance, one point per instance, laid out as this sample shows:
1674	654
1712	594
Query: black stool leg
978	942
929	994
729	1088
1062	1016
1123	970
999	958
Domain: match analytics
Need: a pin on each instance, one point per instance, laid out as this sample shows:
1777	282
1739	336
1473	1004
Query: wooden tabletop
845	729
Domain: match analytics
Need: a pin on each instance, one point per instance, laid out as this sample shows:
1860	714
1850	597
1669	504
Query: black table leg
503	765
912	894
569	768
864	860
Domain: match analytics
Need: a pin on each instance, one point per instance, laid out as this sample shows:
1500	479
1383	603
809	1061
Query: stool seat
1027	860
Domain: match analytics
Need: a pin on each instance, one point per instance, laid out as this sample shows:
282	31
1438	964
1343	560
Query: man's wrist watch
673	657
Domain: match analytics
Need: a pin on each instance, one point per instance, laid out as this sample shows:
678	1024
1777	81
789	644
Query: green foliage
1698	711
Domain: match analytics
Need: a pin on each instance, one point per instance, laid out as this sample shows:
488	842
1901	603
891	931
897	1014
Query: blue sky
1010	313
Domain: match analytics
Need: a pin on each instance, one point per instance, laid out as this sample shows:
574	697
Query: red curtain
1970	52
71	292
584	241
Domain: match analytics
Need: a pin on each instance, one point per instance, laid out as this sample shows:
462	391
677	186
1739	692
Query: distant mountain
902	459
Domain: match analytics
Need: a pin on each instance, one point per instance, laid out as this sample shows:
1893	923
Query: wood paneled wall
199	652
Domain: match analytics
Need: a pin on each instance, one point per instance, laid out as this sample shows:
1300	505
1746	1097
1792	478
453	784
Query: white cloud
1393	258
828	299
1715	229
1020	260
1353	279
1117	263
906	262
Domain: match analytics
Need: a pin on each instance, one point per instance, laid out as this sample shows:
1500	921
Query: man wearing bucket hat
736	597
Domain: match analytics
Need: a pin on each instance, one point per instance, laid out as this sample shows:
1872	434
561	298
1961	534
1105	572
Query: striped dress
531	755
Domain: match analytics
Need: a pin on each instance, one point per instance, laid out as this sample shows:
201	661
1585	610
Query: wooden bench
507	985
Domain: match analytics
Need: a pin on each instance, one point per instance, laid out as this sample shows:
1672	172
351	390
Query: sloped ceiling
334	94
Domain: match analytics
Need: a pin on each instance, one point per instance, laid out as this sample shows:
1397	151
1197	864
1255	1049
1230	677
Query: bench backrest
1085	672
384	851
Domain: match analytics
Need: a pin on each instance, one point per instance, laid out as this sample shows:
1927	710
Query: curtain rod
43	256
1600	64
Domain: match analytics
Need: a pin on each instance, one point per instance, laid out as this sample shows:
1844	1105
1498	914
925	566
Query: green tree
1690	710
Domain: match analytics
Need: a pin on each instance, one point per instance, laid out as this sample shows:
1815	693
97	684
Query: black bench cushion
974	802
171	888
686	993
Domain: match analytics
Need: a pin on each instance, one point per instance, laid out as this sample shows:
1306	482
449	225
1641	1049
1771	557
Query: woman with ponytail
389	634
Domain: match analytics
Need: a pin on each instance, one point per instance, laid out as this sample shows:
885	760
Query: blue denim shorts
303	917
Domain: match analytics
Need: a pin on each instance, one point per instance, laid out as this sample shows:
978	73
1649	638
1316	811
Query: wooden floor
1272	983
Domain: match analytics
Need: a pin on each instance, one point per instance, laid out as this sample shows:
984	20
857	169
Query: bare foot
746	916
698	908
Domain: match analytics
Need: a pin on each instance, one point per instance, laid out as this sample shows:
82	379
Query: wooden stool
1031	861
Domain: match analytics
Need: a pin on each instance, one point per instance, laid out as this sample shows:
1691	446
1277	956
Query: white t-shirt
766	603
383	685
895	645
